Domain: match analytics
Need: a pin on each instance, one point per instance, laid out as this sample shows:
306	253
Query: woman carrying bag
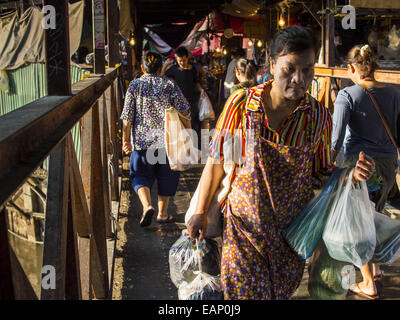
287	135
146	100
357	114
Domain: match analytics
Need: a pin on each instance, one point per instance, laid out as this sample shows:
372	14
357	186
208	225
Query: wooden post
58	71
104	139
113	116
6	284
92	178
112	33
98	36
55	236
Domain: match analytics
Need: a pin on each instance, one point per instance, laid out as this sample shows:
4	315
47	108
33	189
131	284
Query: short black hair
151	61
238	53
293	39
182	52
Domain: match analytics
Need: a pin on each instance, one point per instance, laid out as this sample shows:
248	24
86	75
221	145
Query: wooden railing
79	199
329	87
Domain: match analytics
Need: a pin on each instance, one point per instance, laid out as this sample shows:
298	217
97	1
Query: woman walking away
356	114
246	73
289	150
143	136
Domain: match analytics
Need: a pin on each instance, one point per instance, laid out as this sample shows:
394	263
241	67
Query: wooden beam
55	236
98	36
30	133
385	76
112	33
330	35
58	73
6	284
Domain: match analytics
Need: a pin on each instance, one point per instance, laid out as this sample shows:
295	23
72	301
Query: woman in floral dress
287	155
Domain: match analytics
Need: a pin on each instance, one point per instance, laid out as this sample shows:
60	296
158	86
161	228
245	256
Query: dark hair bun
151	62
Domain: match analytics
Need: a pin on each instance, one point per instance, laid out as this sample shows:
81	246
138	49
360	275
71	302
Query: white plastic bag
185	258
206	111
179	143
349	233
204	286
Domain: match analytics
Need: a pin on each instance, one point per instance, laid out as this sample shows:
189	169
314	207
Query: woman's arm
210	180
126	137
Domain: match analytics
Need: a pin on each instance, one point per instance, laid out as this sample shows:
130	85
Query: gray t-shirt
357	123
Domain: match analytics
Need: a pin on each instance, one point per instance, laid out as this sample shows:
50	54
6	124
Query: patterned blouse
291	132
146	99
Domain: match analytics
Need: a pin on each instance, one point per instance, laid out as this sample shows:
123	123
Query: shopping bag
387	239
306	230
349	233
204	286
329	279
179	142
206	111
185	258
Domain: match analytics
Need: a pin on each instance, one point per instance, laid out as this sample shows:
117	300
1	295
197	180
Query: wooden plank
58	74
112	33
6	284
30	133
113	116
376	4
98	36
385	76
84	264
104	139
330	35
92	179
78	200
55	235
73	289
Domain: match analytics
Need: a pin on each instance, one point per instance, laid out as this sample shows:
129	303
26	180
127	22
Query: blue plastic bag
387	239
306	230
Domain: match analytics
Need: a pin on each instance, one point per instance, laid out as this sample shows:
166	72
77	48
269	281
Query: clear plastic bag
306	230
329	278
185	258
349	233
387	239
203	287
206	111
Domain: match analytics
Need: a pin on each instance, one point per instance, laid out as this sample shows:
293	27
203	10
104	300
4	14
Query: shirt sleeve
341	118
129	105
227	124
323	162
176	97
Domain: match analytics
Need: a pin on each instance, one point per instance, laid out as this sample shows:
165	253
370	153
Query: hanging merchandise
349	233
306	230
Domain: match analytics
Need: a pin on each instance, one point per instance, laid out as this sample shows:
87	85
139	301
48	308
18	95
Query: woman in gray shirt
357	124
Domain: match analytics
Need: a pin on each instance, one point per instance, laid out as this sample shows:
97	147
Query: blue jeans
143	174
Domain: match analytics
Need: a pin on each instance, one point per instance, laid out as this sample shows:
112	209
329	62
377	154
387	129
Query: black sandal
168	220
146	218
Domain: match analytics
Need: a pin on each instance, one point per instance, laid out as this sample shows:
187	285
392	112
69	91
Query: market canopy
22	38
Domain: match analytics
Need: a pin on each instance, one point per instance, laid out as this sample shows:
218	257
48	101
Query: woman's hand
364	169
196	223
127	147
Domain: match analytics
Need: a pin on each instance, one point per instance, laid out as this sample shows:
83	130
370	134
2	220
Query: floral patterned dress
271	188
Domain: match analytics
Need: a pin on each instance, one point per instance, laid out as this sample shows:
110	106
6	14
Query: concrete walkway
141	270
